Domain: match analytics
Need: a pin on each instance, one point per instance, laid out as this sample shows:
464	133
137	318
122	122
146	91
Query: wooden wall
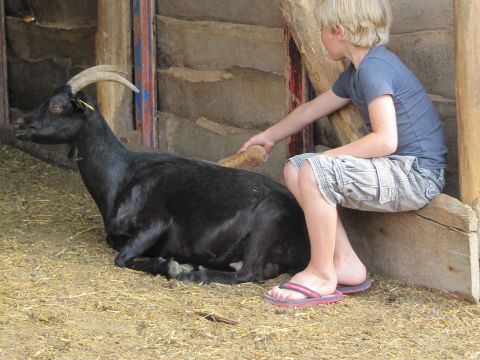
4	112
243	37
423	37
48	42
220	65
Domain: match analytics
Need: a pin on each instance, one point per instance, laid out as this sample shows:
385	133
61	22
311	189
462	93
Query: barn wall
220	76
223	60
423	37
47	43
220	66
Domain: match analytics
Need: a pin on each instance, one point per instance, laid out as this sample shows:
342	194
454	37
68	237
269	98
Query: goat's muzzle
19	123
24	132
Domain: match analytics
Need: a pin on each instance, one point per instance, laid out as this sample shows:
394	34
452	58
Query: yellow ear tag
86	104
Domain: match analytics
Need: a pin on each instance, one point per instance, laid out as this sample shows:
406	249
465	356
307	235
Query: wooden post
322	71
467	51
145	70
113	47
4	113
297	89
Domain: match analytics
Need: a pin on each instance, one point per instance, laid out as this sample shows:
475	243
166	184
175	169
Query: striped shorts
386	184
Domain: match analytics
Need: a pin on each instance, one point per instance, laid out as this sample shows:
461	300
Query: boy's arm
305	114
383	139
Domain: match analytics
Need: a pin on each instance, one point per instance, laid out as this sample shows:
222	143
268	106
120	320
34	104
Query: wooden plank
442	257
420	15
4	113
431	57
145	70
252	12
323	71
229	45
297	92
113	46
467	51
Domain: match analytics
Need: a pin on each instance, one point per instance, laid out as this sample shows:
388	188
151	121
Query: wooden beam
4	113
145	70
322	71
467	51
297	93
113	46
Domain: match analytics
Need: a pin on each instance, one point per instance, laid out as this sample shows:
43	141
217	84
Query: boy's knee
290	173
306	177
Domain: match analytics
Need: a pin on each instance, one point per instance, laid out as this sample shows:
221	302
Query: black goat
156	205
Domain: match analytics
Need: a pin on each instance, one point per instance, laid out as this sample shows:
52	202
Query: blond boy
398	166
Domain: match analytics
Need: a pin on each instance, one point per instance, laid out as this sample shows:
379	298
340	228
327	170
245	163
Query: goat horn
99	73
93	69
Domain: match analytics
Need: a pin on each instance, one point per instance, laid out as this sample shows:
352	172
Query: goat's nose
19	122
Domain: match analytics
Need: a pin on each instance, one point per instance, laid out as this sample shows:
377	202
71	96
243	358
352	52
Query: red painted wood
297	94
144	60
4	113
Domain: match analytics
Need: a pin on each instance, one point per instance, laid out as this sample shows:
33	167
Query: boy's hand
261	139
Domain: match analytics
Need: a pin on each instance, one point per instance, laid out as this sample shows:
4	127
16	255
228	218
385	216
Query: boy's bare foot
350	271
309	279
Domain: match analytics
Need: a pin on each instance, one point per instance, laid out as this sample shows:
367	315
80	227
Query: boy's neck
356	54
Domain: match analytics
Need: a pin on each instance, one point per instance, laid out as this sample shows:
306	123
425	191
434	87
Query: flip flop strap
365	283
300	289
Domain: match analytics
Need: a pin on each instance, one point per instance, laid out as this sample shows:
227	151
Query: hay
61	297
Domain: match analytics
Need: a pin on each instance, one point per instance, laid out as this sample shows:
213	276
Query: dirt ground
61	297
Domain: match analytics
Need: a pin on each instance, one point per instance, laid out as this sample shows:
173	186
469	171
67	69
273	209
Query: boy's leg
319	275
348	268
290	176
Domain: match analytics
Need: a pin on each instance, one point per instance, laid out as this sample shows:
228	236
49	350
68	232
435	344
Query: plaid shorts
387	184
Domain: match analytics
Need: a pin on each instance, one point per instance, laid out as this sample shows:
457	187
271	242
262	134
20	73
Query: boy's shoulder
382	62
379	56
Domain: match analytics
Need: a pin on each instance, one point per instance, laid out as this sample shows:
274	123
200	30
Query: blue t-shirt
381	72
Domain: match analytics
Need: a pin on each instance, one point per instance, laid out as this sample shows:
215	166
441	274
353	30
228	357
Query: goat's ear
81	104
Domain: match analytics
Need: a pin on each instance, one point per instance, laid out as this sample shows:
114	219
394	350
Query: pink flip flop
313	298
354	289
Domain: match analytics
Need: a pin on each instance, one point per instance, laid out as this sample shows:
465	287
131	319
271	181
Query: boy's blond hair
366	22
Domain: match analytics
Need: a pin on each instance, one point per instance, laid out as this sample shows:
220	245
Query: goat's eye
55	108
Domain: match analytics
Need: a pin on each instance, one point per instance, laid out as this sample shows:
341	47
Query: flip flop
354	289
313	298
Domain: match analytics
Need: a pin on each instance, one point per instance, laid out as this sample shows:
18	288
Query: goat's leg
254	267
275	227
154	266
138	244
160	266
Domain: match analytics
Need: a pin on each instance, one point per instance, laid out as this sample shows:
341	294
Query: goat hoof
175	269
120	261
184	276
